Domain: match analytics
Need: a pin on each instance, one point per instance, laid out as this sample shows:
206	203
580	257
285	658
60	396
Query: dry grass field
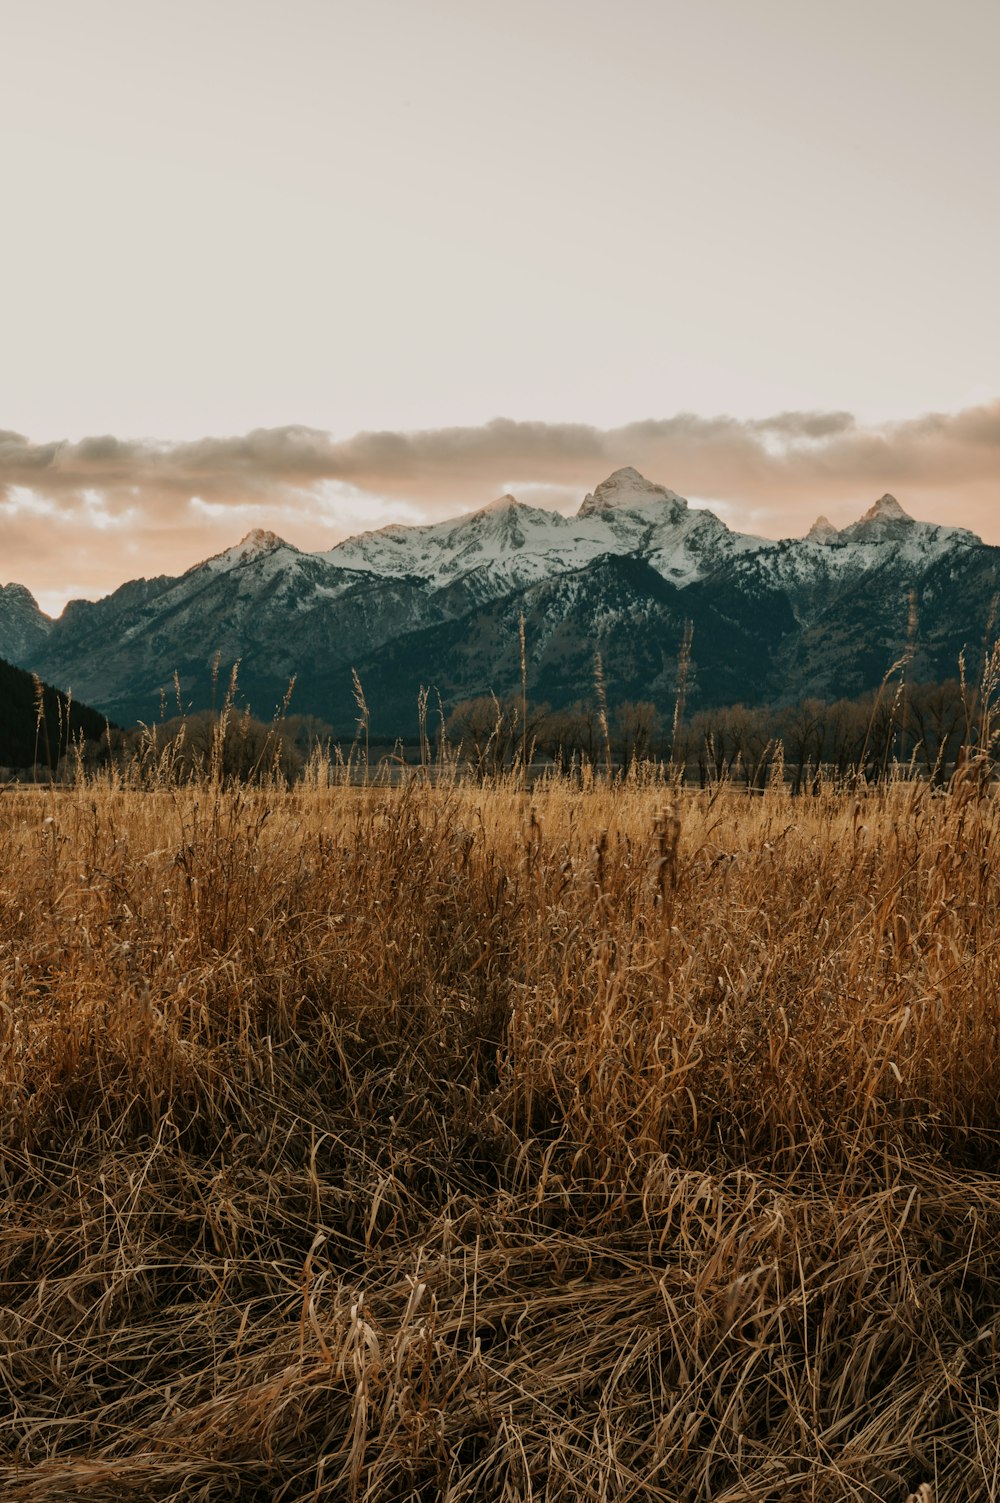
460	1143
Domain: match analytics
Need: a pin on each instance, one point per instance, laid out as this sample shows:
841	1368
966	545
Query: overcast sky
749	248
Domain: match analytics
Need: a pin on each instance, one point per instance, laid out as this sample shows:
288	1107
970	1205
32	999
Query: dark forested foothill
38	723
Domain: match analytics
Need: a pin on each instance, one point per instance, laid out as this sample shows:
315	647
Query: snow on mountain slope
263	567
625	490
887	522
257	545
512	545
813	570
279	611
522	542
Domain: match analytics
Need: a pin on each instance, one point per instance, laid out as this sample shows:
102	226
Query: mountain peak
258	543
822	531
20	593
626	475
624	489
886	509
884	522
260	540
502	503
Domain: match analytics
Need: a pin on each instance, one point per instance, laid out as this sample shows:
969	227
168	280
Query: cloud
104	509
805	425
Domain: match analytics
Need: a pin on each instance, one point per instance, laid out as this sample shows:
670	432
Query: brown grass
460	1143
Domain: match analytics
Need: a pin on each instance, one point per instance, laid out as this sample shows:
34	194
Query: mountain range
440	605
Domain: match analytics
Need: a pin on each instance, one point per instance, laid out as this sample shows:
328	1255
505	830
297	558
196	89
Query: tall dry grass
465	1143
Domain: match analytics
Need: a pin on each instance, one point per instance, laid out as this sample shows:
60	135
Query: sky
318	266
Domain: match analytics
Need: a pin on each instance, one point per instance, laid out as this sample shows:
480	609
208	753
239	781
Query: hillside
23	740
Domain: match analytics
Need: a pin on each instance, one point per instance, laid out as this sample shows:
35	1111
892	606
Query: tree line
926	727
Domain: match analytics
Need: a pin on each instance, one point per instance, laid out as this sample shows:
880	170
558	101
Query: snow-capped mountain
278	611
815	569
440	605
507	545
887	522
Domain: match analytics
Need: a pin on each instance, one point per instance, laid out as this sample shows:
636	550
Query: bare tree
803	732
935	717
634	725
752	732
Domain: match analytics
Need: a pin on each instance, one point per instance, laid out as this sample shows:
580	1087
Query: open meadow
458	1142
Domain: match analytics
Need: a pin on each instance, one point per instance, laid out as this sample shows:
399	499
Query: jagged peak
258	543
626	488
15	591
886	509
884	522
261	540
822	531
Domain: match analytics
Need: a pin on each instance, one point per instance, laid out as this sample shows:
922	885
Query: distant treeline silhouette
925	726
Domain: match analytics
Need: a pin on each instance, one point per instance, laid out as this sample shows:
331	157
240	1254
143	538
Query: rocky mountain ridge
440	605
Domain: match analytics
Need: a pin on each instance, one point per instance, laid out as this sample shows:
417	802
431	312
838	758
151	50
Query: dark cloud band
762	463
